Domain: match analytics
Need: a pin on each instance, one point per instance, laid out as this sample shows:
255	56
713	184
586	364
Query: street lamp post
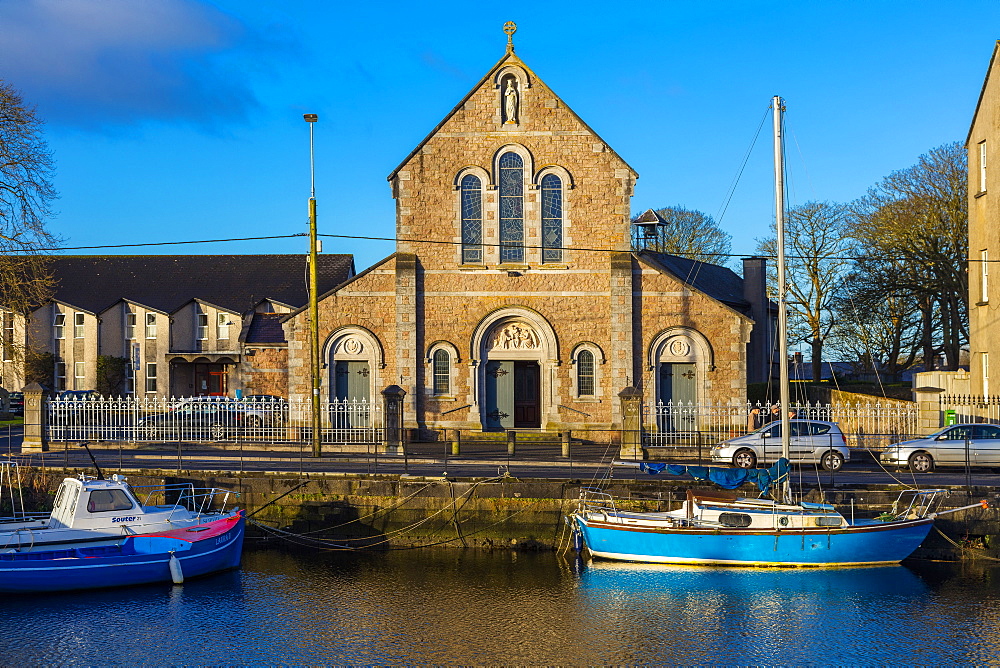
317	449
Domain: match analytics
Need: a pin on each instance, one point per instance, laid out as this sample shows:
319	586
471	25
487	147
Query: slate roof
716	281
166	282
265	328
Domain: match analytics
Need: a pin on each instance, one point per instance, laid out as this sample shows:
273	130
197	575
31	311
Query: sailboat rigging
719	529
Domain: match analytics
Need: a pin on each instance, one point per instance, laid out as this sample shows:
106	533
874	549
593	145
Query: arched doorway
354	359
679	360
514	353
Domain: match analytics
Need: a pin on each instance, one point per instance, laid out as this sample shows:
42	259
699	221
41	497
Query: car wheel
921	462
253	421
745	459
218	431
151	433
832	461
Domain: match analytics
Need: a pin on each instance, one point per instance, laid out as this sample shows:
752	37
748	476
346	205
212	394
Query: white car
957	445
811	442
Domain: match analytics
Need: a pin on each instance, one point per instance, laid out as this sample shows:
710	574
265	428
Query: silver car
979	444
810	442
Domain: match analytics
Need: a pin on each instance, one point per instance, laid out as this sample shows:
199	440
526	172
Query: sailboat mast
779	218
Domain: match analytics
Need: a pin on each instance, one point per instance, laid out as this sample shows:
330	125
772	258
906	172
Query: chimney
755	294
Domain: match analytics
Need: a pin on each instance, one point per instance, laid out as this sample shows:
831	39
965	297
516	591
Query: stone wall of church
366	303
668	306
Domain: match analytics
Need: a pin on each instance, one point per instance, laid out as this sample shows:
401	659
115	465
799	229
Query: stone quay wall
397	511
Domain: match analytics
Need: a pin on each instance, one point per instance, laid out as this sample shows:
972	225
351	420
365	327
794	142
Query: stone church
514	299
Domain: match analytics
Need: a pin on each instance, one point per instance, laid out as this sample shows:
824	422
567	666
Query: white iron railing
971	408
866	425
196	419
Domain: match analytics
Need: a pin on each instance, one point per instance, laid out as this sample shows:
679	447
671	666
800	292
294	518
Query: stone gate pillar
631	407
35	432
392	403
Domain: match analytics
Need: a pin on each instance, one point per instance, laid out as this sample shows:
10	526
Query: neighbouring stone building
984	235
528	308
187	324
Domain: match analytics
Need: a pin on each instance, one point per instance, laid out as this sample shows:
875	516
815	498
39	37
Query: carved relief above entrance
515	336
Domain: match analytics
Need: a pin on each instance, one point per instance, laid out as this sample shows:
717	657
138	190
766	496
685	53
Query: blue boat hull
880	543
143	559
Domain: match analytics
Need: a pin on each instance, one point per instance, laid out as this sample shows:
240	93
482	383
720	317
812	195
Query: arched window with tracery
472	219
552	218
442	371
511	208
585	376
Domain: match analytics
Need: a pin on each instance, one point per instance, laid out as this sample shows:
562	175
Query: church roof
166	282
718	282
509	58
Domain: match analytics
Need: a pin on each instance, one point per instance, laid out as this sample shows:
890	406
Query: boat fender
176	574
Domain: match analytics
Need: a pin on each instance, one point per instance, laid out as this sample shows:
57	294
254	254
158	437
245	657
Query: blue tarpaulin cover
724	477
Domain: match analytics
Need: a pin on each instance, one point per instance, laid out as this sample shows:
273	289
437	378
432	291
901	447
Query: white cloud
99	63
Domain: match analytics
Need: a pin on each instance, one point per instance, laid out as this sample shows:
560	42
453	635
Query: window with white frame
201	328
442	372
78	325
129	325
986	374
150	325
984	276
79	375
59	326
982	166
60	374
151	376
8	335
585	374
222	326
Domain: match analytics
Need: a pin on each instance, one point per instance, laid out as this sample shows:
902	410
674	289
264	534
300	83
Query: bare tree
688	233
877	328
26	195
817	256
913	227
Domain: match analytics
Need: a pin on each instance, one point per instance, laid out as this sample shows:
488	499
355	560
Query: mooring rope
306	540
966	548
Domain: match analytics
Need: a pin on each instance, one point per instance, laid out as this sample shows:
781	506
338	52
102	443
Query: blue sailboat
720	529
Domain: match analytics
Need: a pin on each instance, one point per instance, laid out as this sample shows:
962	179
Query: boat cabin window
60	496
103	500
734	519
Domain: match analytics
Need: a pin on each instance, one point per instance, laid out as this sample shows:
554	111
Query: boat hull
860	545
138	560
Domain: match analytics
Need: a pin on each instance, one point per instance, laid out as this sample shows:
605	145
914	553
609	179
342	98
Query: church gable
512	166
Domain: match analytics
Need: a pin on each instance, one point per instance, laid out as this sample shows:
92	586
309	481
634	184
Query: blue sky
177	120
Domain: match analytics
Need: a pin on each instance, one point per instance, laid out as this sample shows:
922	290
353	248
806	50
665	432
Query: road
588	462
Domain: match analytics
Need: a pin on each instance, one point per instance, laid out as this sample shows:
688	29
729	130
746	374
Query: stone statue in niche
515	336
510	102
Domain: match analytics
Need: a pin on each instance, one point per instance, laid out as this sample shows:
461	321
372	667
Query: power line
584	249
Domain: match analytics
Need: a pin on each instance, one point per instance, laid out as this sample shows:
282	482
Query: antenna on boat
779	220
100	473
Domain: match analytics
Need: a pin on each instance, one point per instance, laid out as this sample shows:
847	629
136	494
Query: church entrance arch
679	359
354	356
514	349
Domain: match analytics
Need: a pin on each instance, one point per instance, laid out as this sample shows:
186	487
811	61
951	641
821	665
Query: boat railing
921	503
595	500
186	497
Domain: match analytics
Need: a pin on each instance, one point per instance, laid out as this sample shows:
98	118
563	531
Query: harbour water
468	607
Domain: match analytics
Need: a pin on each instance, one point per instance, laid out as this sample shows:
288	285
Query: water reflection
449	607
